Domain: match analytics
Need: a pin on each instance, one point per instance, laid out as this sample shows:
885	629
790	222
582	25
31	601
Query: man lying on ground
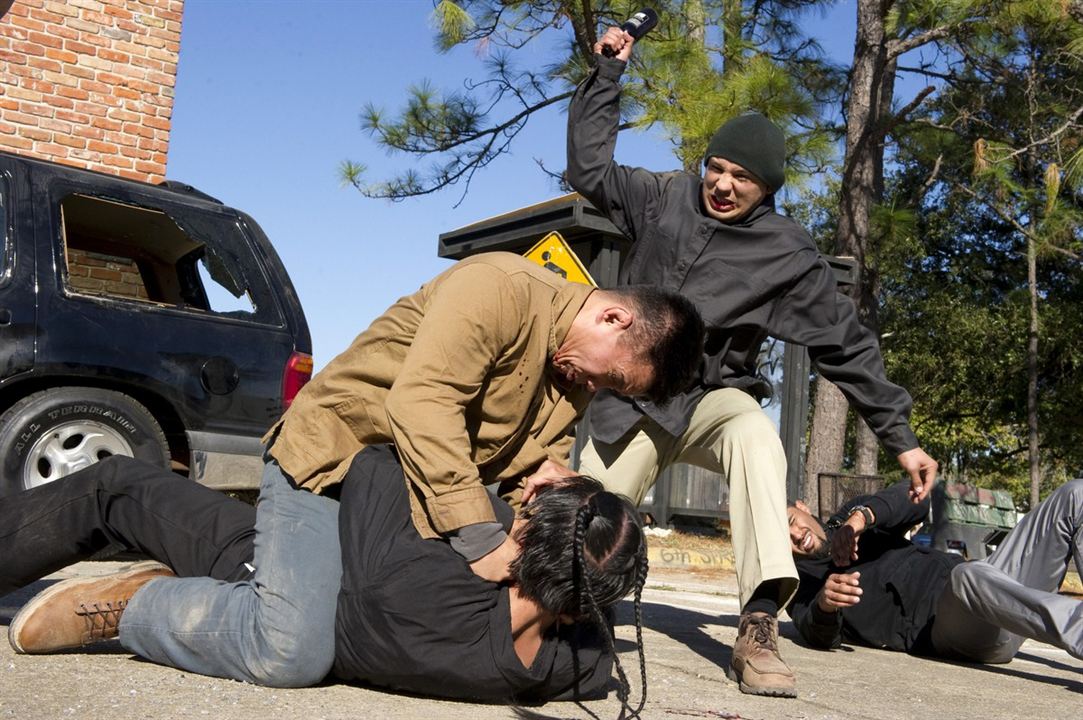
478	379
863	582
410	615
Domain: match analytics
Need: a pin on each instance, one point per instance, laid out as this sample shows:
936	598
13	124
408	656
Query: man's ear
617	316
802	507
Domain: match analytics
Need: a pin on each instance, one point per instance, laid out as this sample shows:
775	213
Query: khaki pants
730	434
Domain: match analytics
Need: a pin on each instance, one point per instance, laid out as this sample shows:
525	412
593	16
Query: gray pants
991	606
276	628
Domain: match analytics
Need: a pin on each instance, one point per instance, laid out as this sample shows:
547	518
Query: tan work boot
79	611
756	665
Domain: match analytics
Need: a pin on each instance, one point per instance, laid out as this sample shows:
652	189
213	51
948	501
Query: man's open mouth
719	205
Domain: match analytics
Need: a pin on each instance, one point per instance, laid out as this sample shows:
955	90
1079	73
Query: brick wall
99	274
90	82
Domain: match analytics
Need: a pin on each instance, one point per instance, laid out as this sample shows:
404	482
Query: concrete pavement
690	619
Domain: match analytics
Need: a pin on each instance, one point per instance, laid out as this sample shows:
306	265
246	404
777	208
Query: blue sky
267	104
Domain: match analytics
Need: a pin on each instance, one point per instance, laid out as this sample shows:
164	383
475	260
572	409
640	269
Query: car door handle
5	316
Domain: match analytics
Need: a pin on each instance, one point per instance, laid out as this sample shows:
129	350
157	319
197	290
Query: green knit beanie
756	144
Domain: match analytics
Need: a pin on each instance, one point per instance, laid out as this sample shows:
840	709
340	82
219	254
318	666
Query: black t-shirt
413	616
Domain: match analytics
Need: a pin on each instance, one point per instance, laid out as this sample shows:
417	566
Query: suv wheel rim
69	448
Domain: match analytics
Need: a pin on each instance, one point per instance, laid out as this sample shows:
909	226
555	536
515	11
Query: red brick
24	93
135	153
98	18
46	40
60	102
140	130
79	47
104	273
125	116
118	12
142	177
146	62
40	63
6	129
18	143
34	133
100	42
73	93
26	22
63	31
117	161
121	139
56	125
79	118
61	9
86	131
153	145
156	123
94	86
8	56
106	124
47	17
105	100
149	40
125	93
110	78
61	56
21	118
69	141
35	109
103	147
84	27
149	167
114	56
27	48
92	106
51	149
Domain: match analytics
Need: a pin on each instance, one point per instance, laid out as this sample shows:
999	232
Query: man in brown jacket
477	379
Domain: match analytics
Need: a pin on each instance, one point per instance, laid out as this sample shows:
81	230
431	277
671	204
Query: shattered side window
5	247
200	262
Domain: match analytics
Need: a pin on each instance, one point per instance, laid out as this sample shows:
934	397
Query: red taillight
298	372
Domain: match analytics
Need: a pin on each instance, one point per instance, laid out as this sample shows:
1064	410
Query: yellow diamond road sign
554	253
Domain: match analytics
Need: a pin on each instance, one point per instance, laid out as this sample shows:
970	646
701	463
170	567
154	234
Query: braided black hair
582	551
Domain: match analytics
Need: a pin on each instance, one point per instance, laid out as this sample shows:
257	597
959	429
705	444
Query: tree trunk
870	93
866	449
1032	375
825	455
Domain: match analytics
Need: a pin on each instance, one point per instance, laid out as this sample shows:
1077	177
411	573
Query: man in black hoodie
863	581
752	273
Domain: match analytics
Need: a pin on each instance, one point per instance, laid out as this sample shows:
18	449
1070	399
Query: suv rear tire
56	432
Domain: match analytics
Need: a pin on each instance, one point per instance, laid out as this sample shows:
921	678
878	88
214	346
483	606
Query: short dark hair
670	331
583	549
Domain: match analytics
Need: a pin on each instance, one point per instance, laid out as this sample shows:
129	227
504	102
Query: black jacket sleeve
623	194
818	628
814	314
891	507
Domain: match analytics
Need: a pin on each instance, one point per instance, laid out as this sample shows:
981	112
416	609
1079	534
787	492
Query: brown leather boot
756	666
79	611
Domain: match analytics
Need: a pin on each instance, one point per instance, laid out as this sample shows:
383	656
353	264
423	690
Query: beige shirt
456	376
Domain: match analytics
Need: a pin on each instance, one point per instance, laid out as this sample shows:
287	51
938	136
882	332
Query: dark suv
142	320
